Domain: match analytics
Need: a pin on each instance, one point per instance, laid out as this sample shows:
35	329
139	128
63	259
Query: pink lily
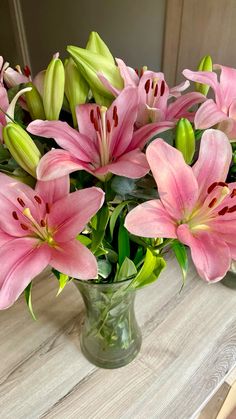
13	77
154	94
39	228
221	111
196	206
4	104
106	141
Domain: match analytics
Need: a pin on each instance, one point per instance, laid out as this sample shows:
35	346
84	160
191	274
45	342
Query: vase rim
101	284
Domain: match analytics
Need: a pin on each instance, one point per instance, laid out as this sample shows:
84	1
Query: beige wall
195	28
132	29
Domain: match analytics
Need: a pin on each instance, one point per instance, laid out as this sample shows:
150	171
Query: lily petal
181	105
132	164
11	191
177	90
21	261
151	220
177	186
127	73
58	163
115	92
127	107
66	137
4	103
227	83
214	160
147	132
210	254
74	259
208	115
204	77
53	190
85	125
70	214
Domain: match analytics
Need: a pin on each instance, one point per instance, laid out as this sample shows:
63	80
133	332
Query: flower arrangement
105	168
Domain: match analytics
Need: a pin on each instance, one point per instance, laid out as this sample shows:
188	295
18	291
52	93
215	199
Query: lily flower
106	142
221	110
4	104
13	77
39	228
196	206
154	95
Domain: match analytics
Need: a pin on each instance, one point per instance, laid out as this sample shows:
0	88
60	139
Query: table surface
189	346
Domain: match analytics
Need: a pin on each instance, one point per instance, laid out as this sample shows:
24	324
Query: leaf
181	256
4	154
62	278
138	256
115	214
123	185
28	299
84	240
127	270
123	244
104	268
150	271
101	224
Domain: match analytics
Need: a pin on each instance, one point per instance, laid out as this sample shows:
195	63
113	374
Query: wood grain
194	28
189	347
215	404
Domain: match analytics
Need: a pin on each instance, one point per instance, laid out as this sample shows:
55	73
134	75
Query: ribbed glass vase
110	336
230	278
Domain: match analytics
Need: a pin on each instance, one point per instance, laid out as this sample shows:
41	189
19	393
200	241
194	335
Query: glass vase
110	336
230	278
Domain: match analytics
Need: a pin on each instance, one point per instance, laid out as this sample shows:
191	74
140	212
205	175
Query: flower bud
76	87
204	65
96	44
21	147
90	63
53	92
34	102
185	139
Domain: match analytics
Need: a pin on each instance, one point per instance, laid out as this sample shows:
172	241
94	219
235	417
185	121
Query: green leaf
150	271
62	278
101	224
104	268
123	244
84	240
4	154
181	256
127	270
115	214
28	299
139	255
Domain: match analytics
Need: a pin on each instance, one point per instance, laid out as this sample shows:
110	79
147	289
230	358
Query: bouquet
104	170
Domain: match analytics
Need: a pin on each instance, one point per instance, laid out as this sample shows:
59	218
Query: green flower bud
76	87
204	65
34	102
21	147
96	44
90	63
185	139
53	92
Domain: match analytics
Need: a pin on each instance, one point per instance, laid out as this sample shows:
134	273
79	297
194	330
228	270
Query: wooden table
189	346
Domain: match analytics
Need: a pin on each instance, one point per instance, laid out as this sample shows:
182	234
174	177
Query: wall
8	42
132	29
195	28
